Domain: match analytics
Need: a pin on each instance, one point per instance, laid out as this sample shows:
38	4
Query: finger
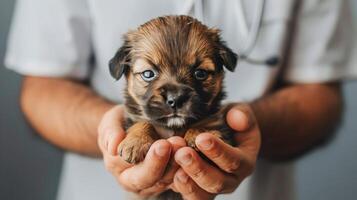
240	117
176	143
209	178
223	155
248	138
148	172
154	190
188	188
115	164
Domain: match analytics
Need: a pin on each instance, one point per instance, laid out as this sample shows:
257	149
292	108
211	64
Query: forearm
297	118
64	112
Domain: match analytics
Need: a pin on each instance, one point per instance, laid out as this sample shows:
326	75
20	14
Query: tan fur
191	134
149	42
139	138
175	47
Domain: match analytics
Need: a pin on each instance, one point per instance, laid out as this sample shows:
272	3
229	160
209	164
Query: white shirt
57	38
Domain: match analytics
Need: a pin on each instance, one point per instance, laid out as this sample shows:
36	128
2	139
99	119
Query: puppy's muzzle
176	96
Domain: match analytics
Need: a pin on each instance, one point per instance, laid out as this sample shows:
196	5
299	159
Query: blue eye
201	74
148	75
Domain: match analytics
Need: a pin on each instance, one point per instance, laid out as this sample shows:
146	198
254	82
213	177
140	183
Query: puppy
174	67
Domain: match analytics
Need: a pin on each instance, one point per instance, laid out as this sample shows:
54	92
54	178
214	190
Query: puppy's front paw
190	138
137	142
191	134
134	150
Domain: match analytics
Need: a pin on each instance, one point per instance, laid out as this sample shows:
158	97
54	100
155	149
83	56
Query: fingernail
161	150
205	144
185	159
182	177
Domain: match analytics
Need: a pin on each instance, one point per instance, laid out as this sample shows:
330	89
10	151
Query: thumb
111	131
240	117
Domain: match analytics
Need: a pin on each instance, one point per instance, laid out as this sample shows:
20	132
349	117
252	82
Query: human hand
147	178
197	179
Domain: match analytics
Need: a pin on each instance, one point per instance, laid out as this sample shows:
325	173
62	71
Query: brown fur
175	47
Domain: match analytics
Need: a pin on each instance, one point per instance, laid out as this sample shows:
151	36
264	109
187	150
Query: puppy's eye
201	74
148	75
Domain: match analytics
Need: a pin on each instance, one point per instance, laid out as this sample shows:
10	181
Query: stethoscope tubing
251	35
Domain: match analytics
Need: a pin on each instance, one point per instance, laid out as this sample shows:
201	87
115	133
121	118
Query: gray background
30	168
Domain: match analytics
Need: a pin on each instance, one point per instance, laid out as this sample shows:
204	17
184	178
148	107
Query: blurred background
30	168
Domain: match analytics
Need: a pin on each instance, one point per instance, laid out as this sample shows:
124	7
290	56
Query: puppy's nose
171	100
176	100
177	97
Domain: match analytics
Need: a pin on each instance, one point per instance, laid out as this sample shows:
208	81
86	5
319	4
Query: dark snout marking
176	96
176	100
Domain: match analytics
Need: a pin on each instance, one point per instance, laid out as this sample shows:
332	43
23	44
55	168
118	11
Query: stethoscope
251	35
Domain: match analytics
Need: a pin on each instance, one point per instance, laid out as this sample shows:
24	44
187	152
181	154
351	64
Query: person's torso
113	18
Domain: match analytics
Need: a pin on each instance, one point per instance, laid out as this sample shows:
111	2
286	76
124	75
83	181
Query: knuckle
199	172
139	184
217	153
127	185
189	189
136	184
216	188
162	184
232	167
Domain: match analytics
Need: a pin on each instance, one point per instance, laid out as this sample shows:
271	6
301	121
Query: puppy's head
174	70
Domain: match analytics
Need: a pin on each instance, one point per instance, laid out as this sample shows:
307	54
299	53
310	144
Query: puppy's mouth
174	120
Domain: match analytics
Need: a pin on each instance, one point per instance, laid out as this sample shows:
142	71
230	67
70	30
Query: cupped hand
147	178
197	179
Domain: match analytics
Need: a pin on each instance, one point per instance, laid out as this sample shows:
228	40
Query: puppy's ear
119	64
228	57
